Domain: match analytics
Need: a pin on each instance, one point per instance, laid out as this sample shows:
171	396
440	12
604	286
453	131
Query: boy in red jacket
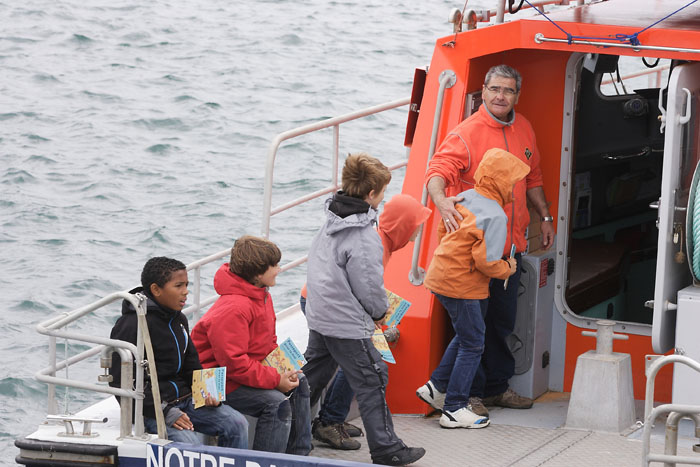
238	332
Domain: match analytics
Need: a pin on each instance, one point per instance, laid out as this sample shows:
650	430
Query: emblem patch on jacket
528	154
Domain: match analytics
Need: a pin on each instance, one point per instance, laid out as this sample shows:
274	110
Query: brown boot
478	407
511	400
334	435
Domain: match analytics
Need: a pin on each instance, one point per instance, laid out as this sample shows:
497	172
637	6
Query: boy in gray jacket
346	300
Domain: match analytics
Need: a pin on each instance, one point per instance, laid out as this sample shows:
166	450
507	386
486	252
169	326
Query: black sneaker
403	456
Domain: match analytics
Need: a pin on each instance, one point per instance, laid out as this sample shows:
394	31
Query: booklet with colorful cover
208	381
397	309
382	345
285	357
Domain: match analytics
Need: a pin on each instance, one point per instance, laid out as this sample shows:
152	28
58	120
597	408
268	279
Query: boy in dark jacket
164	282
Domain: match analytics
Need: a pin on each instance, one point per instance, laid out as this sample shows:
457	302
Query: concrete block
602	398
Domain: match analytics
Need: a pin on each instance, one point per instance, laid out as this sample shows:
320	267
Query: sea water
135	129
138	129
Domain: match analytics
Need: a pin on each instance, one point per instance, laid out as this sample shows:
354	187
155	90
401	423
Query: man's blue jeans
229	425
497	362
461	359
284	423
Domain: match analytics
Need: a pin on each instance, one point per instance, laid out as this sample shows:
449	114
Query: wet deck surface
522	438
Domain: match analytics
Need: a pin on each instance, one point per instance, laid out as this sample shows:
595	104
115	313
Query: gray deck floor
522	438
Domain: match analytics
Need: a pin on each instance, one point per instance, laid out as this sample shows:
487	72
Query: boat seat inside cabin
596	272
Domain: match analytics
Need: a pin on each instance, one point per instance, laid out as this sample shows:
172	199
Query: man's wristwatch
547	219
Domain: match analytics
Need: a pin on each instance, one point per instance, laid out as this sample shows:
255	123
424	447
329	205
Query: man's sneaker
403	456
463	418
477	406
334	435
431	396
512	400
352	430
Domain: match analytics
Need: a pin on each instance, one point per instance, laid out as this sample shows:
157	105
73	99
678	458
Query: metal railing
447	79
675	413
335	122
56	326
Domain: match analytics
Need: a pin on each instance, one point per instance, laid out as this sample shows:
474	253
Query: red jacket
238	332
459	155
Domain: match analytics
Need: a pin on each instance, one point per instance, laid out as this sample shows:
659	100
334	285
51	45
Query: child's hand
288	381
513	264
183	423
210	401
379	322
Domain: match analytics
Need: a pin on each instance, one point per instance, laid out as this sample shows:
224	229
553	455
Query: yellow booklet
208	382
285	357
382	345
397	309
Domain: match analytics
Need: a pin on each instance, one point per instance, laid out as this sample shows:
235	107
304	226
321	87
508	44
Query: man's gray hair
504	71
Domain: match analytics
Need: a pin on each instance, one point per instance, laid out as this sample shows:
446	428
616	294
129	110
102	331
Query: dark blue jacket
175	355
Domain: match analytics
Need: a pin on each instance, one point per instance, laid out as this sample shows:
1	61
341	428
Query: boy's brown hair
363	173
252	256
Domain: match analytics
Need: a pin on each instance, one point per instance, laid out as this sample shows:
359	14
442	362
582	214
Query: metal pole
447	79
500	11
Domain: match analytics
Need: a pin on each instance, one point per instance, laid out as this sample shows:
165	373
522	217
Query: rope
696	234
632	39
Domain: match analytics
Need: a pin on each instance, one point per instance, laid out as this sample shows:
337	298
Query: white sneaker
463	418
431	396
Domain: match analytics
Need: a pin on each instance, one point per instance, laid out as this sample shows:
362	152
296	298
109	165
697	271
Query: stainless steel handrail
680	410
447	79
334	122
540	38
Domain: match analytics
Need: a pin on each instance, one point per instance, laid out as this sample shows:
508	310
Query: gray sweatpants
368	376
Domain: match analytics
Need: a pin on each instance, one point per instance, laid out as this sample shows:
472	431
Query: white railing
335	122
675	412
56	326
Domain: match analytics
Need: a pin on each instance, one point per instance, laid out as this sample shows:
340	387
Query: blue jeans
497	362
229	425
336	405
461	359
284	423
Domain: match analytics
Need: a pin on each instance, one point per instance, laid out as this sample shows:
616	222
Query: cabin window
631	74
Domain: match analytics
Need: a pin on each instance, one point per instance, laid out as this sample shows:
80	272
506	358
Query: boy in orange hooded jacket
459	274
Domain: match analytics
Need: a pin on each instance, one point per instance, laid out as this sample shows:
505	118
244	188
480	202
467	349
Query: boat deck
522	438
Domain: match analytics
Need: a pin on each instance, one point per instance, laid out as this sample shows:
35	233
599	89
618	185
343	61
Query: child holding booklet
164	282
346	298
238	332
399	223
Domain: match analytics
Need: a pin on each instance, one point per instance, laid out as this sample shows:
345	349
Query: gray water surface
135	129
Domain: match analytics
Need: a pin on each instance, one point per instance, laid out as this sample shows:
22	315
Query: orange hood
497	173
401	216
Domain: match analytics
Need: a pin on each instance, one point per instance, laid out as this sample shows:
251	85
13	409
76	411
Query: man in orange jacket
451	171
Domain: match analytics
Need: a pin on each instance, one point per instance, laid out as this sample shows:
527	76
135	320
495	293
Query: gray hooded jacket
345	278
